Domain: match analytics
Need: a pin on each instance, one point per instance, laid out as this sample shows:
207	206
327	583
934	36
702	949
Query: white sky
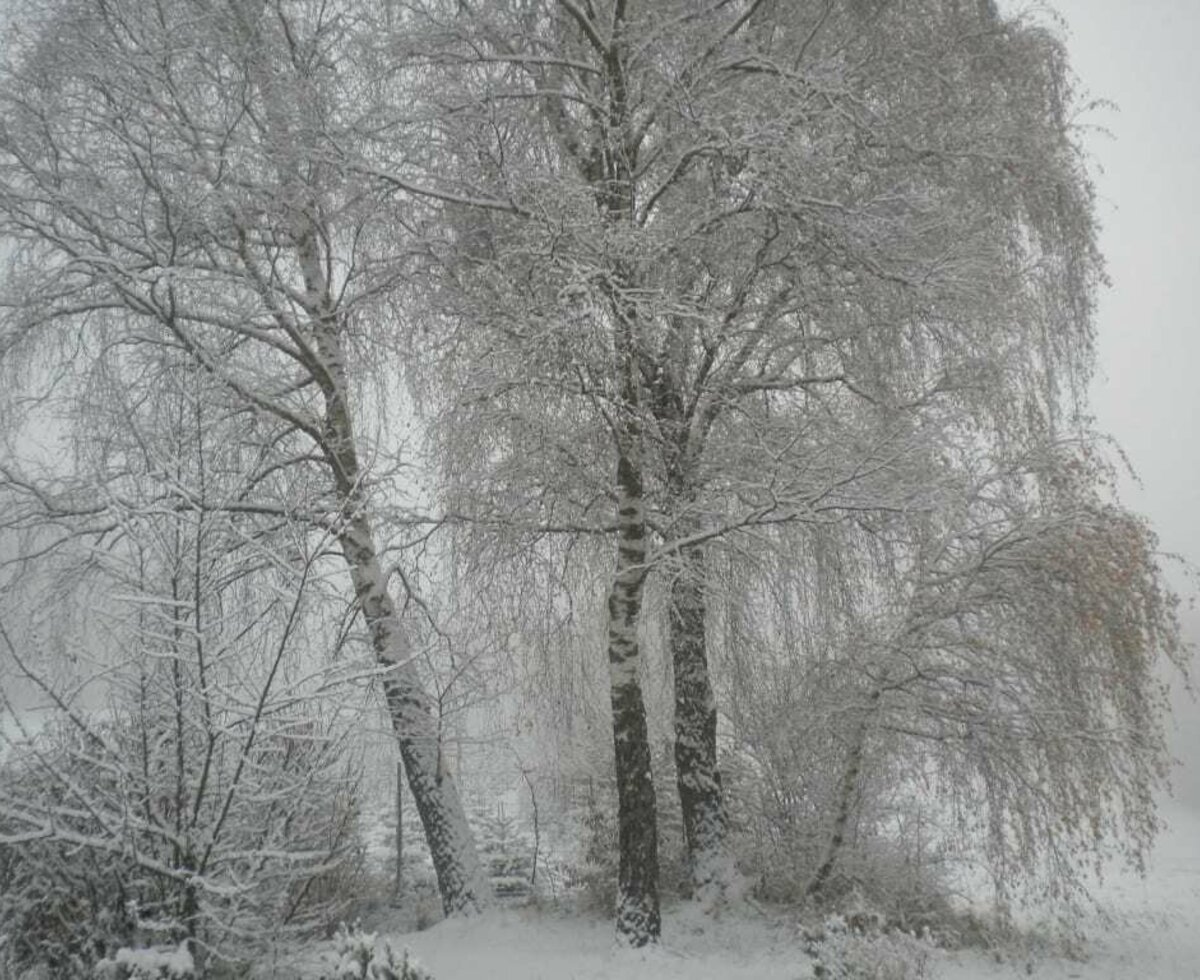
1142	55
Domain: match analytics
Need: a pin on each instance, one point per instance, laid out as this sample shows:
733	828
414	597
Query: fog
1141	58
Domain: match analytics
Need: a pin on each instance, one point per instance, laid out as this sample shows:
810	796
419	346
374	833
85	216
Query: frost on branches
697	383
359	958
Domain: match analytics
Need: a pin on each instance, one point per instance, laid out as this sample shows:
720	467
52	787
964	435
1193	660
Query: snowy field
1150	930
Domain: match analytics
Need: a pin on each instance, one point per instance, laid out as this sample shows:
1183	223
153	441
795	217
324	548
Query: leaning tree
191	177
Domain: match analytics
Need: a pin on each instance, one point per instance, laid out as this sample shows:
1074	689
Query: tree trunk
398	891
451	847
609	164
697	776
638	918
847	793
460	877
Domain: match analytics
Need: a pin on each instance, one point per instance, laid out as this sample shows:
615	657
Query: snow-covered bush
89	867
61	907
157	963
359	957
861	947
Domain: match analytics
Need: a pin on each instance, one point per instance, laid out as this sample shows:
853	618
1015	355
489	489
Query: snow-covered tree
184	774
716	266
685	286
998	683
191	177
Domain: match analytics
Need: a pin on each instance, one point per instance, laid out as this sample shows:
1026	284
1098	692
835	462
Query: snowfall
1143	929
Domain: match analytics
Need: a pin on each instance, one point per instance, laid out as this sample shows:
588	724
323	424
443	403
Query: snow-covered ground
1149	931
1150	928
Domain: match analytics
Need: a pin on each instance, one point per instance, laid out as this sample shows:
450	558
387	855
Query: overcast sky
1142	55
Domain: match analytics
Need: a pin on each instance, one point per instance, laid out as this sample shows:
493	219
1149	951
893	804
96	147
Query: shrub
595	878
358	958
156	963
78	882
507	854
862	947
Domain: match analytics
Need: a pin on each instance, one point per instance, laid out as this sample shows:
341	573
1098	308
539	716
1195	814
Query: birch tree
190	175
997	672
746	256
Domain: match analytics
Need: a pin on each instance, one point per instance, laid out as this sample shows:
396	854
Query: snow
148	964
1149	928
529	945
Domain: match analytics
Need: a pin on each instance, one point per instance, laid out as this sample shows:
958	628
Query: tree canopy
742	342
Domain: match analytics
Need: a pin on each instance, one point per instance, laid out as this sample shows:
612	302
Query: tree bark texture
607	160
398	891
461	881
451	847
698	779
847	794
697	776
638	917
459	874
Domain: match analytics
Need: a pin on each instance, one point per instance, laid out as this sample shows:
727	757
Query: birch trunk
607	160
398	890
847	795
697	776
461	881
459	874
638	917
